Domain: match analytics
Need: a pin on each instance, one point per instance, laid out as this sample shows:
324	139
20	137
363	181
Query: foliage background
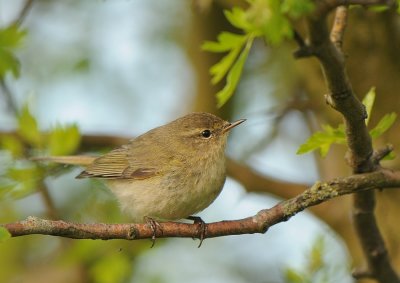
122	67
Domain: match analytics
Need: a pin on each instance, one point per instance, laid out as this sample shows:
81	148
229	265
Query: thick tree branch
259	223
360	158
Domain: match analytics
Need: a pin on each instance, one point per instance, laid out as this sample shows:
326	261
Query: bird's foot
202	227
153	225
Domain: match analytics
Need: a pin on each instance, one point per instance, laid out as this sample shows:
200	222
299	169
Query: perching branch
259	223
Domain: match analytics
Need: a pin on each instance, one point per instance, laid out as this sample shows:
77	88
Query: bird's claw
202	227
153	226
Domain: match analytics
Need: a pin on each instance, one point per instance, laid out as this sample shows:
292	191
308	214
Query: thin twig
23	13
10	103
4	87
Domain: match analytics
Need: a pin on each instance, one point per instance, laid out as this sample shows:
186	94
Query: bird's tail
82	160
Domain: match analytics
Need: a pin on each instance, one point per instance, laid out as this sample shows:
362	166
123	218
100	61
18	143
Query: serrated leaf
225	42
11	36
28	128
234	74
13	145
238	18
368	102
220	69
323	140
4	234
64	140
383	125
8	63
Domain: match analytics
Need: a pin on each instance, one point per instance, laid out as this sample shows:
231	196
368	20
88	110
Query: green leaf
383	125
323	140
293	276
390	156
277	28
8	63
82	65
368	102
379	8
11	37
297	8
317	255
13	145
226	42
24	180
6	187
28	128
220	69
4	234
234	74
64	140
239	19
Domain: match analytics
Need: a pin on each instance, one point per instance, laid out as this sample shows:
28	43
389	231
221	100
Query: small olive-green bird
168	173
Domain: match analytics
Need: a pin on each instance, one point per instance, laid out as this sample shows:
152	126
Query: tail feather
82	160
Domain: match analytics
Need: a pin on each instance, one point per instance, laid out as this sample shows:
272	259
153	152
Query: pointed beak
232	125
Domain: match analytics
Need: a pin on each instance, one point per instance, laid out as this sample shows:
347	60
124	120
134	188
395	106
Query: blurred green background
83	76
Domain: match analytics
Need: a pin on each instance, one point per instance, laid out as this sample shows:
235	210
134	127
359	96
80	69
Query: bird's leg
153	225
202	227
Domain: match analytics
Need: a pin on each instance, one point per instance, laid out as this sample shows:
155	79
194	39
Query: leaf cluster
329	135
20	176
268	19
316	270
10	39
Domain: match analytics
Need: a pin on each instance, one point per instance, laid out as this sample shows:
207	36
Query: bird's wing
128	162
116	165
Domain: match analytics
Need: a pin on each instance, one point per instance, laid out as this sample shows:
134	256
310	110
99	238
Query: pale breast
172	196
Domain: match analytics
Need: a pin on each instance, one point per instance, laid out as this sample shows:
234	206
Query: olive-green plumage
169	172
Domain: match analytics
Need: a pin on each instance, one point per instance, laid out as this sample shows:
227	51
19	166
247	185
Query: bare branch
259	223
11	106
24	12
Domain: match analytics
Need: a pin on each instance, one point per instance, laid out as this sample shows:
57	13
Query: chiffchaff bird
167	173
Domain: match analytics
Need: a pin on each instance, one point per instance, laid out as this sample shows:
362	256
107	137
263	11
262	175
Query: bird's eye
206	134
